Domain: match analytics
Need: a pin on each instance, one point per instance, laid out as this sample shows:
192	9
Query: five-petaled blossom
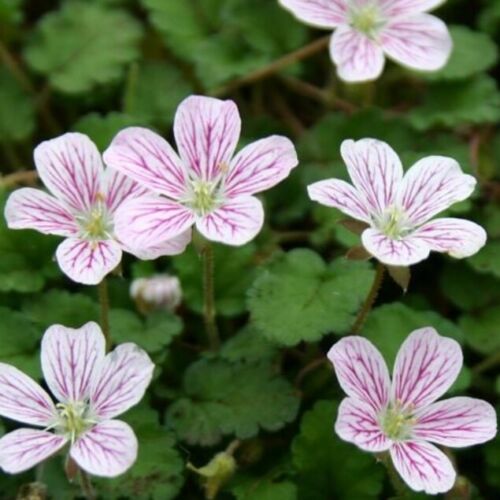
366	30
397	207
82	208
402	417
205	185
92	389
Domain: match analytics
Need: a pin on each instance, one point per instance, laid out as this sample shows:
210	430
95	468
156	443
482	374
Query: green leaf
58	306
452	104
11	12
388	326
328	467
473	52
300	298
102	128
158	472
482	330
492	458
234	273
153	334
487	260
17	112
253	488
222	399
83	45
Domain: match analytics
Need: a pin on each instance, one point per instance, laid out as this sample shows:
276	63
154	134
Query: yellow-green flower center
203	197
393	223
397	423
366	19
73	419
95	224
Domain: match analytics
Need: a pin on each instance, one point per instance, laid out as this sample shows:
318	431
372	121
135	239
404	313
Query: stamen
73	419
397	422
95	225
366	18
394	223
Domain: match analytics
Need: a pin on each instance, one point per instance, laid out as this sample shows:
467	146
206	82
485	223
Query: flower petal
361	371
22	449
260	166
375	170
120	188
236	222
319	13
22	399
456	422
420	42
106	450
174	246
29	208
88	262
357	423
423	467
357	57
207	131
456	237
70	166
149	159
70	358
149	221
432	185
404	252
121	382
339	194
394	8
426	366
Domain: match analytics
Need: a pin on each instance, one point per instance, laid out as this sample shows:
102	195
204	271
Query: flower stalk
209	312
86	485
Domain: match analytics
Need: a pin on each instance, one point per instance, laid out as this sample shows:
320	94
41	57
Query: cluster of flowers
149	197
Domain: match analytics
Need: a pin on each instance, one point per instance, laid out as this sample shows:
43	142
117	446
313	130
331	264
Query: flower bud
159	292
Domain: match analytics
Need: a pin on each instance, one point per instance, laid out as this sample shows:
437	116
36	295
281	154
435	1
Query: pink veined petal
357	57
375	170
22	399
70	166
361	371
395	8
29	208
70	359
88	262
319	13
457	237
149	159
426	366
420	42
260	166
357	423
106	450
149	221
403	252
174	246
432	185
423	467
22	449
207	131
120	188
456	422
339	194
121	382
236	222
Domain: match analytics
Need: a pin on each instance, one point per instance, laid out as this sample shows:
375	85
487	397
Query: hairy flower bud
156	292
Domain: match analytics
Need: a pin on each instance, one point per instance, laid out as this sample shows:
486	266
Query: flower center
397	423
73	419
393	223
204	196
95	224
366	18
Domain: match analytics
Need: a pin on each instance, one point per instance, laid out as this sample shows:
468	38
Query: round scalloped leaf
487	260
300	298
263	488
482	330
223	398
328	467
83	45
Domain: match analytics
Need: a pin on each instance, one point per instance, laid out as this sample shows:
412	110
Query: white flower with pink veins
368	30
92	389
402	416
398	207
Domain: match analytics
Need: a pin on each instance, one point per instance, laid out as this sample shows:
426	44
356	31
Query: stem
370	299
102	289
23	177
302	53
86	485
209	297
397	483
487	363
310	367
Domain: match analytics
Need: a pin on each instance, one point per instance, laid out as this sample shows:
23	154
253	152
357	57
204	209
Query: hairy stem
103	292
86	485
209	312
370	299
397	483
